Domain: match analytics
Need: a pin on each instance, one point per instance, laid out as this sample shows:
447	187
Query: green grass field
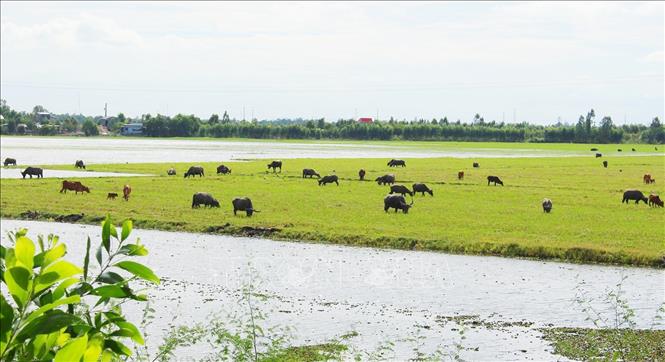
588	222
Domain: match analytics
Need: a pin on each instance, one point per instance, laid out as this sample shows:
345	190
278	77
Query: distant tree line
586	130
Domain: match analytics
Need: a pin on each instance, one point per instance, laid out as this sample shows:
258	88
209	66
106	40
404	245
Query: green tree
90	128
214	119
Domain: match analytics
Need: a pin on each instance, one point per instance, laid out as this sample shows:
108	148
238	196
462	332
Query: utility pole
105	109
377	114
243	113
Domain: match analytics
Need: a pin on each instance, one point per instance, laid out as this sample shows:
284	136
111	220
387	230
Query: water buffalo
395	163
33	171
634	195
476	164
460	175
79	164
73	186
594	149
396	202
194	170
388	179
494	179
605	164
111	195
243	204
126	191
654	200
361	174
599	155
328	180
422	188
547	205
632	149
275	165
309	172
400	189
619	150
205	199
10	161
171	171
223	170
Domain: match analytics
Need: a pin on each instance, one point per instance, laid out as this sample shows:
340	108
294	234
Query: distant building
365	120
132	129
42	116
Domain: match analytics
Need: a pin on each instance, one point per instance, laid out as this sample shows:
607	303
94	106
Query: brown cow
646	178
111	195
460	175
125	192
654	200
73	186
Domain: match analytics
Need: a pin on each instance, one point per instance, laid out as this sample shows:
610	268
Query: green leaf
73	350
94	349
112	291
25	251
47	323
110	277
86	260
74	299
133	250
126	229
98	255
56	272
60	290
54	254
139	270
106	234
6	318
117	347
18	283
129	330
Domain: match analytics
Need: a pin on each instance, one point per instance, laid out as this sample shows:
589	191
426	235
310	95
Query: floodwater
16	173
52	150
412	298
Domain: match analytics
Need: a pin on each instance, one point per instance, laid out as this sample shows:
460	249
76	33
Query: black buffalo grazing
194	170
460	175
636	195
547	205
79	164
395	163
422	188
400	189
111	195
205	199
388	179
275	165
73	186
310	172
171	171
223	170
654	200
243	204
361	174
619	150
594	149
598	155
328	180
605	164
494	179
396	202
632	149
10	161
476	164
33	171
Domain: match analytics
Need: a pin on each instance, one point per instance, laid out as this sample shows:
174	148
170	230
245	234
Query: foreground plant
57	311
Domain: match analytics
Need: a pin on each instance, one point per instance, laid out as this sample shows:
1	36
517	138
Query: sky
507	61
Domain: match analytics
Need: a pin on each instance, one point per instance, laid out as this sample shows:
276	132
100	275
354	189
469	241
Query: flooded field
325	291
52	150
16	173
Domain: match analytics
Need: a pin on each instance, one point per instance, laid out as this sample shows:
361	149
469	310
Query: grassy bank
588	222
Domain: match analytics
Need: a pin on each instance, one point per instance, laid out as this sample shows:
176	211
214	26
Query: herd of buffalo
394	200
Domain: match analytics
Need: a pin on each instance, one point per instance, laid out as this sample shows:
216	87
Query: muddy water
16	173
51	150
324	291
